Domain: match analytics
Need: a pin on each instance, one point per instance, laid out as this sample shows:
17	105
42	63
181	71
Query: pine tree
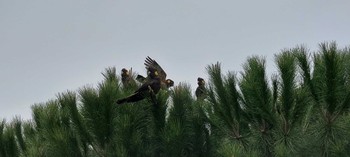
228	120
328	84
301	110
259	102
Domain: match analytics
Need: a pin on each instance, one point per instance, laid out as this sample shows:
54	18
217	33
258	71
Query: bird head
169	83
124	71
200	81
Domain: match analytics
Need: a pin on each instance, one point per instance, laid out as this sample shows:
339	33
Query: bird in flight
165	83
156	78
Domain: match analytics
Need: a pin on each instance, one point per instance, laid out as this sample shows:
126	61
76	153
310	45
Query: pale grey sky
48	46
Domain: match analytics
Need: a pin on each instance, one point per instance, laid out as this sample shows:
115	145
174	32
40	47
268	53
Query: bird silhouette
165	83
127	78
155	80
148	89
200	91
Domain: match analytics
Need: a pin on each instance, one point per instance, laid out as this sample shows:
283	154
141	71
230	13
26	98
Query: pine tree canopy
300	110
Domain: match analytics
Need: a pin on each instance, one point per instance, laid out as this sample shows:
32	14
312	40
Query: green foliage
302	110
258	103
8	145
228	116
328	85
177	133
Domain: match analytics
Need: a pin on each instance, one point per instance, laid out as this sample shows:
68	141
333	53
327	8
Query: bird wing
140	78
144	87
151	63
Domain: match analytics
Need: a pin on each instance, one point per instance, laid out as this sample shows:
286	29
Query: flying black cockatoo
152	84
165	83
147	89
201	91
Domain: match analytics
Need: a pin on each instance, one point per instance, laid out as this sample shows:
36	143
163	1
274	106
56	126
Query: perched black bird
147	89
201	91
127	78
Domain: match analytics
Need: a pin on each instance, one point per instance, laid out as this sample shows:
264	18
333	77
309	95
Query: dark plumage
169	83
141	78
201	91
150	63
148	89
156	79
165	85
127	78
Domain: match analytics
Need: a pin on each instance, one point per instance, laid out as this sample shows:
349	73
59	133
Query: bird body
151	85
127	78
147	89
164	84
201	90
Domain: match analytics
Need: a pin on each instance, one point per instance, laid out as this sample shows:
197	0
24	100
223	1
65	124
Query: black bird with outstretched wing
156	79
148	89
151	63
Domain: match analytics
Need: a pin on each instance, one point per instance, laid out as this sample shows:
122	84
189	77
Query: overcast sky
48	46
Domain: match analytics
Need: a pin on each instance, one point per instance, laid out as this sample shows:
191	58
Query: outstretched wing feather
149	62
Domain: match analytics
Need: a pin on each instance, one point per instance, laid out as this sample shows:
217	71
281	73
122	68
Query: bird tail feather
121	101
132	98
